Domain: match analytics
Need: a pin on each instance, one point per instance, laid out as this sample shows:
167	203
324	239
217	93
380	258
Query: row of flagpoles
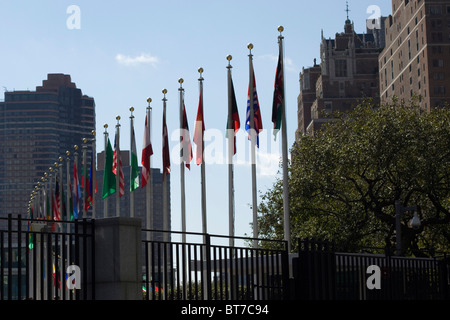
113	178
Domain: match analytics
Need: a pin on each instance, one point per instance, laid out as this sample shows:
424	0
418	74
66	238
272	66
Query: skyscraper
416	60
36	128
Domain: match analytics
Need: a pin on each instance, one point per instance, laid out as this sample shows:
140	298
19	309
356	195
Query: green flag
109	178
134	174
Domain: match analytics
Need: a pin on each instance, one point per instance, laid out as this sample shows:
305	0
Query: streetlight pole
415	222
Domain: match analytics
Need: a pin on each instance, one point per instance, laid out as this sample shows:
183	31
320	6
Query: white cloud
144	58
288	63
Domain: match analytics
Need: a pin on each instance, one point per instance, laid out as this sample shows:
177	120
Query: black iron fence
199	267
321	272
35	254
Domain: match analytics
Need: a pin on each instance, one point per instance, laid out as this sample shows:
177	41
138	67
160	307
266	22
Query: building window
341	68
438	63
434	10
439	90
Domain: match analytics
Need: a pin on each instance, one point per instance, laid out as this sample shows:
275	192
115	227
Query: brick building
348	72
416	60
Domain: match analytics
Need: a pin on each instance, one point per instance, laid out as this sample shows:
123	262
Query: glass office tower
36	128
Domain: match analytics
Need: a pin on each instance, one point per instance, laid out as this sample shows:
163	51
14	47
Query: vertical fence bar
2	266
19	257
10	256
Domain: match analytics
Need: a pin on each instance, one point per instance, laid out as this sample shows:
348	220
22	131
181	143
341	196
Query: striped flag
147	151
198	131
257	112
117	164
277	108
186	147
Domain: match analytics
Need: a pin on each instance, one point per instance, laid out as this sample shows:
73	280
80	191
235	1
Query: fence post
285	271
118	267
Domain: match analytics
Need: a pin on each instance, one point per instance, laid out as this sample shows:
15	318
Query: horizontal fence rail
35	254
203	268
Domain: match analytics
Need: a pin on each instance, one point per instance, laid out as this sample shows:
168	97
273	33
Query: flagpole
253	148
78	195
68	188
105	200
84	178
231	134
149	187
93	173
286	209
61	187
182	151
117	149
203	182
165	198
131	166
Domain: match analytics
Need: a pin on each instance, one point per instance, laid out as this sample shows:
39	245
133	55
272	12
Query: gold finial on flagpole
200	70
149	100
280	29
229	58
131	110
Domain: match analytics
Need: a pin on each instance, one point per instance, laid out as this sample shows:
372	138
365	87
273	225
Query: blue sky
127	51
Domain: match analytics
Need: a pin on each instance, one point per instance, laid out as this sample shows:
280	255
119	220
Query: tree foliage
345	180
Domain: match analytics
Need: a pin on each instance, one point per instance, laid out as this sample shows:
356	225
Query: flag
277	108
198	131
165	146
30	234
88	189
56	202
109	178
134	174
235	122
186	147
63	206
48	205
117	164
257	113
92	187
76	192
70	196
147	151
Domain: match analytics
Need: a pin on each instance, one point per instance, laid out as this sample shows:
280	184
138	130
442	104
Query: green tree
345	180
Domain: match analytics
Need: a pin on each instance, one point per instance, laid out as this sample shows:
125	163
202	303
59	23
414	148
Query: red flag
117	163
147	151
165	147
56	203
235	122
186	150
198	131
